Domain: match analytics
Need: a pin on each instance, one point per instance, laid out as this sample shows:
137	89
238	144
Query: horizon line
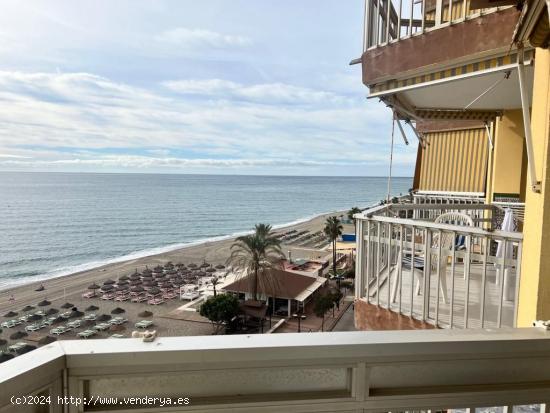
201	174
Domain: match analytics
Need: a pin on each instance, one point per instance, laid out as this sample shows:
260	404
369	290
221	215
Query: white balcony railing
388	21
445	274
310	372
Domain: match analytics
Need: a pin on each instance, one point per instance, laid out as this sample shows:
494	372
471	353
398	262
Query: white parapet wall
309	372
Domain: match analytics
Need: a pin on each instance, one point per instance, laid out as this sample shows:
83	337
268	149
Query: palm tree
333	229
215	281
255	255
351	213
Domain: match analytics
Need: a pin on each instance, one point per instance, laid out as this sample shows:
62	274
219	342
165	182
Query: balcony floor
441	316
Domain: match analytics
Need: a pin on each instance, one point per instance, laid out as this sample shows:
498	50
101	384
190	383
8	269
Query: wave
74	269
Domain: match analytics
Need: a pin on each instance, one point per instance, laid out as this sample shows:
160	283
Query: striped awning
454	161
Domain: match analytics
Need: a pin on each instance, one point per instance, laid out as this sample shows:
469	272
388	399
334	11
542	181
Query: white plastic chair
447	241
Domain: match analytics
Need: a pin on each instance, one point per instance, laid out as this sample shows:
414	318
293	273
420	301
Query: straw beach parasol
118	310
10	314
92	308
44	303
145	314
76	314
67	306
52	311
104	317
46	340
28	308
18	335
94	286
5	357
34	317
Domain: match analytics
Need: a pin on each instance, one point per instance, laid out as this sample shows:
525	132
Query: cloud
268	93
146	162
222	123
200	38
10	156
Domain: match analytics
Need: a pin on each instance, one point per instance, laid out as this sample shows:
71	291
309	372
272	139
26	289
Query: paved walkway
346	322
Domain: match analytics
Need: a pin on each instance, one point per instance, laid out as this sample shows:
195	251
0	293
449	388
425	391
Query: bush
220	309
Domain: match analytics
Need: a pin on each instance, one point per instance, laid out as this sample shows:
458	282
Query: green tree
351	213
323	303
333	229
255	255
336	296
220	309
215	281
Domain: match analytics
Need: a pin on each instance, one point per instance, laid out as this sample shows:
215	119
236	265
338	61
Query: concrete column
289	307
534	293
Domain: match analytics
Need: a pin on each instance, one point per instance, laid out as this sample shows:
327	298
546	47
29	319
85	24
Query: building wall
534	294
508	156
454	161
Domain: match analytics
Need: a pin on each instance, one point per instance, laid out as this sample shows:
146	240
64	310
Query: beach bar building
287	292
468	254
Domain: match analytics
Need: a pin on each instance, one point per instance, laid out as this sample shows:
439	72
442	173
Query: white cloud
40	112
10	156
270	93
199	38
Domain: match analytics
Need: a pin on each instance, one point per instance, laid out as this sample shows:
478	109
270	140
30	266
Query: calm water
57	223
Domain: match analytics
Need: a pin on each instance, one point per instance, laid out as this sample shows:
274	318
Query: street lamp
299	315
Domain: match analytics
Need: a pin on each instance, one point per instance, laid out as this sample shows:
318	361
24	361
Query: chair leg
443	282
419	280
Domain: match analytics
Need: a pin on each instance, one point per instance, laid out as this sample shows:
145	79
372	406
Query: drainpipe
535	184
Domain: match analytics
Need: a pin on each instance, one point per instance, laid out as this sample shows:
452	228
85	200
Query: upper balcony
425	57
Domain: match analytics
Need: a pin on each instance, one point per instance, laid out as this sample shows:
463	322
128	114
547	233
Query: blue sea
53	224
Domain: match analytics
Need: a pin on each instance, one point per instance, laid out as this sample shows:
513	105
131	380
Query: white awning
319	282
457	92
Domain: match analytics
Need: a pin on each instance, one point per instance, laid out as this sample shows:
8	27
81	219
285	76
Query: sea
53	224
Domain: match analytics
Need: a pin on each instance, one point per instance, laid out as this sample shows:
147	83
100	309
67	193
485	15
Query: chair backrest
453	218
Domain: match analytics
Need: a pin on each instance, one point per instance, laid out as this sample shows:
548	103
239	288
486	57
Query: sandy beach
69	288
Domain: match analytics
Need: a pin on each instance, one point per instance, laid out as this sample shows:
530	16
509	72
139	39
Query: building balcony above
423	34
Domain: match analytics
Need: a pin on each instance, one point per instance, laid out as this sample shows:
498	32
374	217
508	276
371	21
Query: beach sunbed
118	321
10	323
87	334
143	324
17	346
108	296
102	326
74	324
122	298
139	299
33	327
88	294
117	336
59	330
66	314
90	317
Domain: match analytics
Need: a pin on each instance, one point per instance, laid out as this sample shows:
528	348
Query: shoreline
67	285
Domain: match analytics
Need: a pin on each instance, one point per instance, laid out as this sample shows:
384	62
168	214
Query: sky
186	86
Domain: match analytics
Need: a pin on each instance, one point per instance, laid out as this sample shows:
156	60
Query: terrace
475	264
